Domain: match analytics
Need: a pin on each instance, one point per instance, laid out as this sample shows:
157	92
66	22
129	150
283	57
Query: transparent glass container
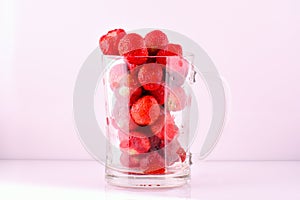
148	116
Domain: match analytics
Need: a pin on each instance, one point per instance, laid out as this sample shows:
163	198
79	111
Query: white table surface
84	180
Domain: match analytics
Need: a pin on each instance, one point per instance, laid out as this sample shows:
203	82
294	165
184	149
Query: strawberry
173	78
182	154
164	128
136	143
159	93
158	125
155	40
145	111
109	43
129	87
150	76
116	74
138	56
168	132
176	99
155	143
152	163
121	117
131	66
177	69
173	152
132	47
169	50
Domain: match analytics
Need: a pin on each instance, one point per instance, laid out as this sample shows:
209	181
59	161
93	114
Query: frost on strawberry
169	50
152	163
121	119
173	98
150	76
145	111
135	143
129	88
155	40
176	99
132	47
116	74
173	152
109	43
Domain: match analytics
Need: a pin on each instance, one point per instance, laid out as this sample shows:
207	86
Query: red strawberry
131	161
129	89
173	78
182	154
158	125
158	171
116	74
177	69
121	117
155	143
132	47
136	143
152	163
173	152
159	94
170	50
109	43
150	76
156	40
131	66
176	99
173	97
137	57
145	110
169	131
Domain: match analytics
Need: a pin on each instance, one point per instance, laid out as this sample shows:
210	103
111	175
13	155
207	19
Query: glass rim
185	54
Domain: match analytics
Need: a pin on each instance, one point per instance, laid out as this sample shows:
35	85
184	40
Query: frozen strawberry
158	125
158	171
122	135
129	88
159	94
152	163
136	143
182	154
131	161
173	152
131	66
155	143
121	117
116	74
151	59
164	128
177	69
170	50
145	110
176	99
173	97
150	76
132	47
156	40
109	43
136	57
173	78
169	131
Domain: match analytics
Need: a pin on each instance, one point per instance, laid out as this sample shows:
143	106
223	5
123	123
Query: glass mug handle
215	85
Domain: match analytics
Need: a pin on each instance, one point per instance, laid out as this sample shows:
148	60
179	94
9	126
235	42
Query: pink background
255	45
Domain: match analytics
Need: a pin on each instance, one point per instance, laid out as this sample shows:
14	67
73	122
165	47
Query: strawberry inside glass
148	89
